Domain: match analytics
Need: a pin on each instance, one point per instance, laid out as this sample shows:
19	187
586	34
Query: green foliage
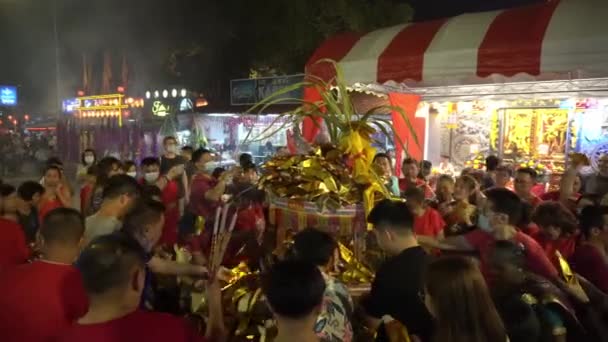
336	108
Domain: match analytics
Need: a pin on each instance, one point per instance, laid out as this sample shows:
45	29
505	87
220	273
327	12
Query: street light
156	94
165	93
183	93
174	92
147	95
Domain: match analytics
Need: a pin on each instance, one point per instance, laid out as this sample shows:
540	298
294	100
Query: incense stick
221	237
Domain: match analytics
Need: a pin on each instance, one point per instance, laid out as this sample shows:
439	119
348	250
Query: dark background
193	43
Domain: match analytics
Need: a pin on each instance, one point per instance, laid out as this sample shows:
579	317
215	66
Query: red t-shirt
534	201
537	261
248	217
405	183
13	245
46	206
538	190
170	198
199	205
39	301
429	224
85	193
565	246
589	262
137	326
556	196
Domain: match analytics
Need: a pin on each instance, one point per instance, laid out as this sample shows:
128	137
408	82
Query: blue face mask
483	223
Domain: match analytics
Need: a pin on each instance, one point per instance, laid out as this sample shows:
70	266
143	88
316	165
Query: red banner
408	104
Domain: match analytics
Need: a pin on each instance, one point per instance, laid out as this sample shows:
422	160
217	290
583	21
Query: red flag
107	73
310	126
125	71
408	104
85	73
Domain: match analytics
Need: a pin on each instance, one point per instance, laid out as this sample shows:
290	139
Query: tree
282	35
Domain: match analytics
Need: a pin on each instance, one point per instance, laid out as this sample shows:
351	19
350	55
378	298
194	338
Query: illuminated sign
70	105
8	95
185	105
160	109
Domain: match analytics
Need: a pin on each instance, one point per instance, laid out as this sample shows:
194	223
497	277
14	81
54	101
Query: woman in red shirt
557	230
460	214
56	192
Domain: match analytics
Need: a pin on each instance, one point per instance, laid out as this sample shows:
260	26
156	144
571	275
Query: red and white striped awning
564	39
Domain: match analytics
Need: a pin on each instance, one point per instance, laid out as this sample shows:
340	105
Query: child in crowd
30	193
427	221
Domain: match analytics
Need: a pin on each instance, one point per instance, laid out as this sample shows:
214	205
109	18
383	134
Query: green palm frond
335	107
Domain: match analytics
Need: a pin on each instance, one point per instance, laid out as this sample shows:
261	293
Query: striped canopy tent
556	40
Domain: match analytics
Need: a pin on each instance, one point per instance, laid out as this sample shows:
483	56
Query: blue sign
243	92
70	105
8	96
252	91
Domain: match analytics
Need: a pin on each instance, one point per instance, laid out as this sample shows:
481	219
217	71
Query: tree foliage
281	35
270	37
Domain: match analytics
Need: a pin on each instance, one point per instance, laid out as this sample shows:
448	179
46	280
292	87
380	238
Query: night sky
145	30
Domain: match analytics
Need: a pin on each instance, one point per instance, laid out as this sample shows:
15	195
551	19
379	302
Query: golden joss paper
311	178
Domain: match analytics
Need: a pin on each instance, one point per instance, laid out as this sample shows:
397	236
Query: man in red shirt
13	245
497	221
40	300
591	257
557	230
525	179
169	185
113	274
427	221
410	178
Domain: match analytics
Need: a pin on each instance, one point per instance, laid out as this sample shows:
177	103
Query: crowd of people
21	150
477	257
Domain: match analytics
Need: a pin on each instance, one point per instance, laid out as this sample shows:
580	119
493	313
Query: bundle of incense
221	238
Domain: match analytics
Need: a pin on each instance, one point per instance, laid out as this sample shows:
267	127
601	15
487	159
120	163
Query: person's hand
229	174
175	171
578	160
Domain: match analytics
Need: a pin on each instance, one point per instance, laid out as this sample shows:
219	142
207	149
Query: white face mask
151	177
132	174
209	167
172	148
89	160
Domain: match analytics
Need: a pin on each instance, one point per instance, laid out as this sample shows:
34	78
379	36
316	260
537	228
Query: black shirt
30	224
395	292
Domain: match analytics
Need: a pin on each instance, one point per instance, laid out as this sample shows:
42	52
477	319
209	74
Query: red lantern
121	89
26	117
80	93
